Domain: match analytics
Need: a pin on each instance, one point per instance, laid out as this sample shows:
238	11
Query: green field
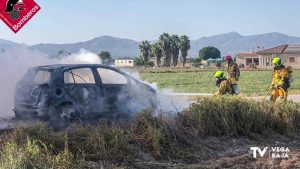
251	83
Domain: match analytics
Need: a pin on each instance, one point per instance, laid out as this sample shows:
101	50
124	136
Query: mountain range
228	43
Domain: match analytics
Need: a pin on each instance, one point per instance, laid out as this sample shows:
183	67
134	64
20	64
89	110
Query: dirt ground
295	98
194	96
235	153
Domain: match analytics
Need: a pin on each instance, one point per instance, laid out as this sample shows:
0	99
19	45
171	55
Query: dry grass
175	138
235	116
165	138
72	148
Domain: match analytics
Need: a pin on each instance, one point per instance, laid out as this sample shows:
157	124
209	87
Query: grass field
251	83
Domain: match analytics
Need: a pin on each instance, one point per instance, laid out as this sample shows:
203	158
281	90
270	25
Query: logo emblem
16	13
257	149
272	152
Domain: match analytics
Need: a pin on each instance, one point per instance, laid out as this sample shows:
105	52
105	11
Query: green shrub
146	131
108	143
233	116
165	137
33	155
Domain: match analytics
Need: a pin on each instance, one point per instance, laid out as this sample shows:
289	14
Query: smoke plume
14	63
166	102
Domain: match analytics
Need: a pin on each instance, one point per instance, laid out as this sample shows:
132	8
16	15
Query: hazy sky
61	21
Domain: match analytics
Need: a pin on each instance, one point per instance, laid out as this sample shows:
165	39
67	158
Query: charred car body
80	91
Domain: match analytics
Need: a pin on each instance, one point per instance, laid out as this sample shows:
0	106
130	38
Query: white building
124	62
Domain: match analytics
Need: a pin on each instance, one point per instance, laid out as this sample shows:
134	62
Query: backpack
289	80
290	75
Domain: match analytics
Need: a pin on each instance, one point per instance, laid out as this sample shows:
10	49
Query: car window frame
116	70
30	75
43	70
84	67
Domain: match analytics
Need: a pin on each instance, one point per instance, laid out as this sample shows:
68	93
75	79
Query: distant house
290	55
124	62
247	58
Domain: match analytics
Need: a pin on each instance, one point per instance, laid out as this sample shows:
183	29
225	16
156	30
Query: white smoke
15	62
166	103
81	57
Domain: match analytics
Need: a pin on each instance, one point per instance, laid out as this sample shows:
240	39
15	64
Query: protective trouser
236	89
279	94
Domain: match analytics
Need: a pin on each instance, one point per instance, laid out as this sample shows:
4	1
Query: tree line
168	47
172	49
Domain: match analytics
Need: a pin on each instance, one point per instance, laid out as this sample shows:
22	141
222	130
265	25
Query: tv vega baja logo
16	13
273	152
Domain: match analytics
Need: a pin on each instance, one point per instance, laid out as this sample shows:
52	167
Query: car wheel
62	116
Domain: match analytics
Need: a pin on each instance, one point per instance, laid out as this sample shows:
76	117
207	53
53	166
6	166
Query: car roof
70	66
74	66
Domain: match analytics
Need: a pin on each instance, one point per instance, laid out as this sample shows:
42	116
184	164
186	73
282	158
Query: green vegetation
157	53
234	116
196	62
175	42
169	47
145	48
209	53
179	138
138	61
251	83
38	146
164	42
185	45
104	55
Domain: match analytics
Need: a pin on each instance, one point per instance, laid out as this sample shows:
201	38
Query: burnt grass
211	133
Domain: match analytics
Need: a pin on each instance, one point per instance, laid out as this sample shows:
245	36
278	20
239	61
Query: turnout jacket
224	88
233	73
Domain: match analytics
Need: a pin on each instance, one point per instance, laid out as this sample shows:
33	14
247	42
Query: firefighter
233	74
224	87
281	80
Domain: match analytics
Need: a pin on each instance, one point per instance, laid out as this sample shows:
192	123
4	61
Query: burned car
82	91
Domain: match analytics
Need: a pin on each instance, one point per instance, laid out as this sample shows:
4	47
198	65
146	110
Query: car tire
62	116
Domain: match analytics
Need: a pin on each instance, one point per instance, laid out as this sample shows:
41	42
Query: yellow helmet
219	74
276	61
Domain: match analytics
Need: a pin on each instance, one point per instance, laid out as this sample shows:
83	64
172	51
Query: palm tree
175	44
185	45
138	61
157	52
145	48
165	44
